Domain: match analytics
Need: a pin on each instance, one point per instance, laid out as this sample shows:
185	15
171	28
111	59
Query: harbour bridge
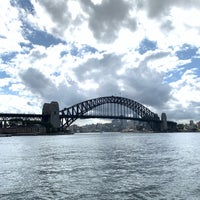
109	107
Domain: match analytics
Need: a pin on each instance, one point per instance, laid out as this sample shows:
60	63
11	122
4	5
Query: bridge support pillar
4	124
51	117
155	126
164	126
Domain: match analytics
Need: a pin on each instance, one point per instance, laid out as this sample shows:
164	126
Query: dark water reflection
101	166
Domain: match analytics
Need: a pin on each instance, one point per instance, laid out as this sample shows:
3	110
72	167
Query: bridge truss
107	107
6	119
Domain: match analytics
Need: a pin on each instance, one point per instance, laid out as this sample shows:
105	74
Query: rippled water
101	166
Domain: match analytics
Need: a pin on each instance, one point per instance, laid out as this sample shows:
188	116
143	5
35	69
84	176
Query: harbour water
100	166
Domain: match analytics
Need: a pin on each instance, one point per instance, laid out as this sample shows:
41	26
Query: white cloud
116	66
185	102
18	104
10	32
186	90
4	82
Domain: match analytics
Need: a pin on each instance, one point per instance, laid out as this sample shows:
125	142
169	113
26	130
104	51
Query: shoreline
33	134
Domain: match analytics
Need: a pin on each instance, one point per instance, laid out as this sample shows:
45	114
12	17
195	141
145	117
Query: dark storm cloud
99	68
157	8
59	13
103	72
107	18
147	84
160	8
141	83
58	10
37	82
40	85
185	113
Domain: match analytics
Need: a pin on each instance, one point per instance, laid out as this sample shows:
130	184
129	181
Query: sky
73	50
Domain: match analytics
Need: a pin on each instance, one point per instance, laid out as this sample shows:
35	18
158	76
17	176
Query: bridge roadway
39	117
8	116
20	115
108	117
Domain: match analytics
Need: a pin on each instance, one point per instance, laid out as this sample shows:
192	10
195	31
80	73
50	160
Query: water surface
101	166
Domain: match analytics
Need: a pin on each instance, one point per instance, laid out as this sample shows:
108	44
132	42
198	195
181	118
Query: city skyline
71	51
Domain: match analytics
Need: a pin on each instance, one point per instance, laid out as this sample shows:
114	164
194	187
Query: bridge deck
107	117
18	115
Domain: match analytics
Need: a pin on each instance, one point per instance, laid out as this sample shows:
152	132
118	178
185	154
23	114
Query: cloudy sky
73	50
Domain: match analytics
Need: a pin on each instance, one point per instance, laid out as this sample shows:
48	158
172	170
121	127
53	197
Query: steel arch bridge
113	107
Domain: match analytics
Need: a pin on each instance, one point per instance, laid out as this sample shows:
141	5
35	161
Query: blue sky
70	51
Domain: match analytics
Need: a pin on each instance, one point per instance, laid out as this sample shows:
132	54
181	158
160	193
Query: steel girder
70	114
10	116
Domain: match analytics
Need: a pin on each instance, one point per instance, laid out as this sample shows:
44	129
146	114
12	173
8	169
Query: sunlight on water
101	166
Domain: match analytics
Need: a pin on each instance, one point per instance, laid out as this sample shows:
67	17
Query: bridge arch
70	114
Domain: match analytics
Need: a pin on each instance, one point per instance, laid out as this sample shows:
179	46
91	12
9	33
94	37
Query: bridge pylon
51	118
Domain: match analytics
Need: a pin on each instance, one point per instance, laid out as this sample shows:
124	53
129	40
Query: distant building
164	126
192	126
198	125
